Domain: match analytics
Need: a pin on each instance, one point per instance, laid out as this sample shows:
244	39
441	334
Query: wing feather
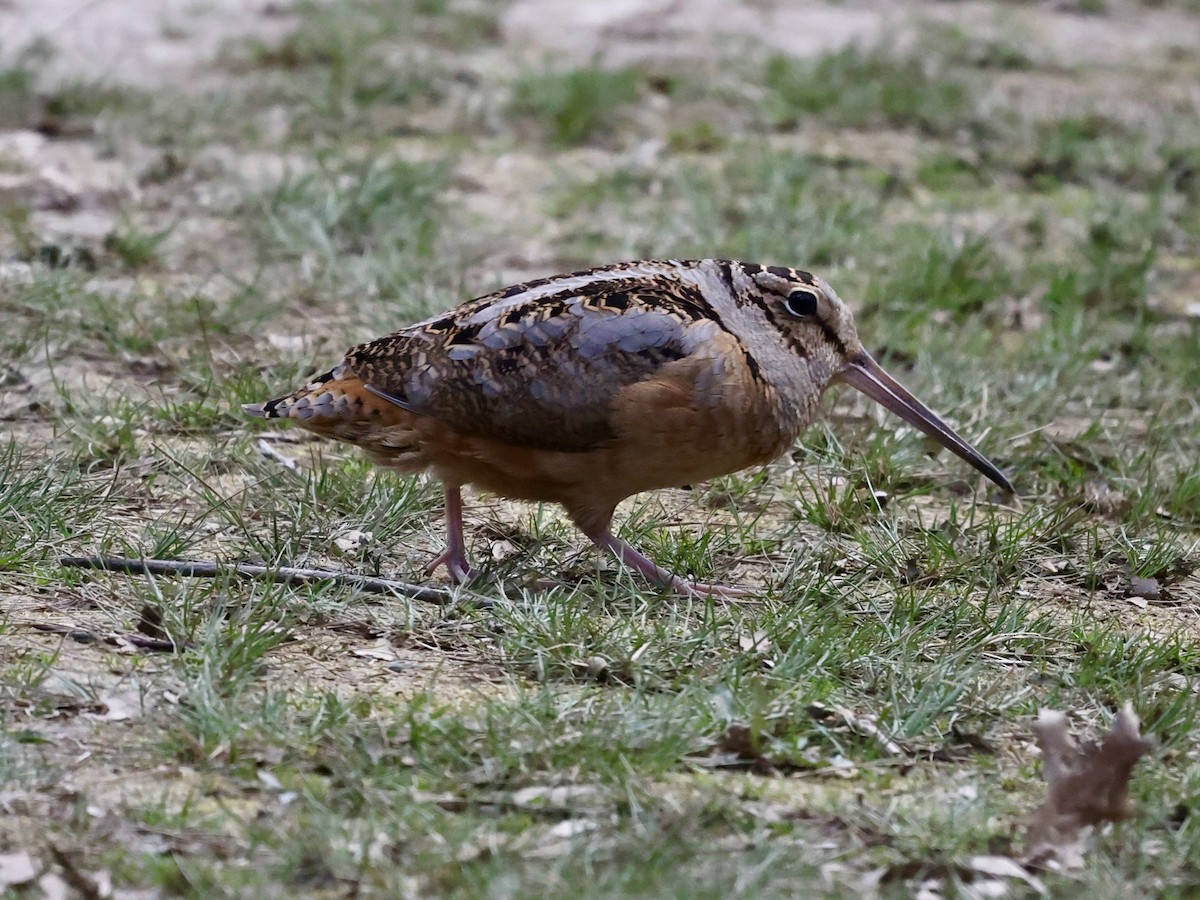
542	374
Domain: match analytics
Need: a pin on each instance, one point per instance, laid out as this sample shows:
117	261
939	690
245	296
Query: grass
1025	272
136	249
858	88
355	226
336	64
576	105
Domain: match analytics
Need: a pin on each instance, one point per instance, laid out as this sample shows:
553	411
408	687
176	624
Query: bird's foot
455	561
454	557
635	559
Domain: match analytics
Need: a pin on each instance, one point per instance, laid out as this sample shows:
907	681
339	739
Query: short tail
302	403
280	407
330	402
341	406
262	410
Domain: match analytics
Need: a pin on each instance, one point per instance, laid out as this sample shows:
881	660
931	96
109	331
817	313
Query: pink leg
632	557
454	557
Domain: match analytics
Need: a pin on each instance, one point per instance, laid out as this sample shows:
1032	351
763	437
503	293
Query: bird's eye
801	303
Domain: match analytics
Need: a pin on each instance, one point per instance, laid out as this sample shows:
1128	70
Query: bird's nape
865	374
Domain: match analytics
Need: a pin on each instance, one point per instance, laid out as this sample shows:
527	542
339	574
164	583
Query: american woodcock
587	388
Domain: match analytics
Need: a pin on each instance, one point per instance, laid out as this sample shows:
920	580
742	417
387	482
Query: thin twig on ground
281	574
83	636
270	452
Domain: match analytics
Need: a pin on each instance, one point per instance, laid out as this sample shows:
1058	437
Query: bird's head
819	326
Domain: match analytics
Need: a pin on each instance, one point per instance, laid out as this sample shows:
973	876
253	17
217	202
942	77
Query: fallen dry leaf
293	343
267	449
564	796
502	549
16	869
1100	498
54	887
352	542
1084	786
982	876
856	722
742	747
150	623
88	886
570	828
381	649
1003	867
759	644
559	838
122	705
739	747
1026	313
595	667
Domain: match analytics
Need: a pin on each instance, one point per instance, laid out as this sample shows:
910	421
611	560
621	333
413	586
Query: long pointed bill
863	373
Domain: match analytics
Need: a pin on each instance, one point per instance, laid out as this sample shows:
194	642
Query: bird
586	388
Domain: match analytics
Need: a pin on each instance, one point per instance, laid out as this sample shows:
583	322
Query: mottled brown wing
539	374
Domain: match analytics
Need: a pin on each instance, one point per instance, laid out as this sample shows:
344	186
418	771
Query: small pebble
1146	588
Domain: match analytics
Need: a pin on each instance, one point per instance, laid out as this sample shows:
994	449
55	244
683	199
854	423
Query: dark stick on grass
282	574
83	636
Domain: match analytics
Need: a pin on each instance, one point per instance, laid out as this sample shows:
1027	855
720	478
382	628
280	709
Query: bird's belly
656	455
657	443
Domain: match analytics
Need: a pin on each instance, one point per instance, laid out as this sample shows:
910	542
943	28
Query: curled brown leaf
1085	785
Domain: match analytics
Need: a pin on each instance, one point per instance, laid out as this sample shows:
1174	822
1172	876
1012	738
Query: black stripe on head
833	336
742	299
792	274
725	267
